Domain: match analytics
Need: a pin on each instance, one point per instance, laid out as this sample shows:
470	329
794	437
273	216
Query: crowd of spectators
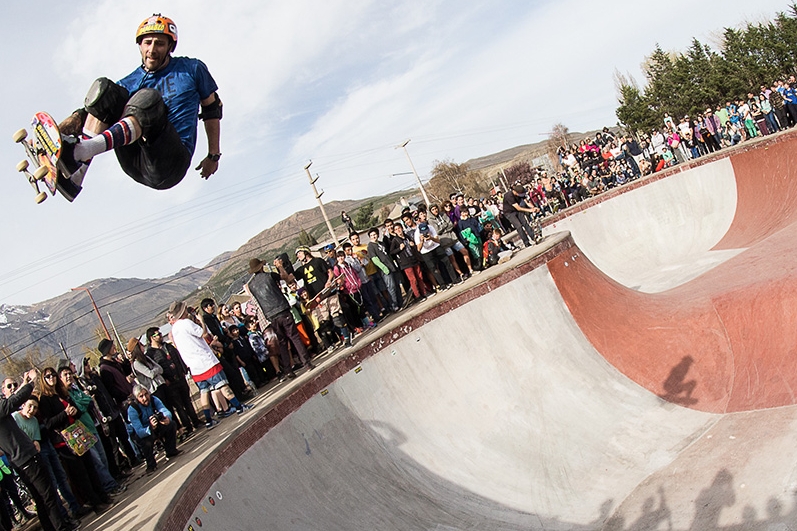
609	159
127	408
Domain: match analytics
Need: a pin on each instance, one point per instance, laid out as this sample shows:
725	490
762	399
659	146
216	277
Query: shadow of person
712	500
677	389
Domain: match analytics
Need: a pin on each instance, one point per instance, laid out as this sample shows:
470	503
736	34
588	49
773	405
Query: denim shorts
456	247
217	381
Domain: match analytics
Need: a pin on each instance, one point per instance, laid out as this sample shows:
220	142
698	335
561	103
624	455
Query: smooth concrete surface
639	375
508	430
724	340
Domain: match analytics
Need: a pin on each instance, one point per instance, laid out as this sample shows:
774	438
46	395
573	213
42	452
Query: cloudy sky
339	82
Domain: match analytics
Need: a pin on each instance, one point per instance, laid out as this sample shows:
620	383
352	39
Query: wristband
214	156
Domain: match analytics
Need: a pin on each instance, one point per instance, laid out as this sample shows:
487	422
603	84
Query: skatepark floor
635	370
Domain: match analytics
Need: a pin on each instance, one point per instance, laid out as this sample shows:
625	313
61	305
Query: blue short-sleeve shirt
183	83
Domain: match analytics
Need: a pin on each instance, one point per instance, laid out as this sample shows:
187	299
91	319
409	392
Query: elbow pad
212	111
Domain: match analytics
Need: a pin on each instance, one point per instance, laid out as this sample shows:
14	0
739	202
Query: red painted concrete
736	323
766	183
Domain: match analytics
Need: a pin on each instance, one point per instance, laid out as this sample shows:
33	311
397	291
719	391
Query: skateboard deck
43	151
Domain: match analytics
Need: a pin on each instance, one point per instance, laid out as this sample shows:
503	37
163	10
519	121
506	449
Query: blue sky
338	82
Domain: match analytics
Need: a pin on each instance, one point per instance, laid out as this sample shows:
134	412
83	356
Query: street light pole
96	310
320	204
420	184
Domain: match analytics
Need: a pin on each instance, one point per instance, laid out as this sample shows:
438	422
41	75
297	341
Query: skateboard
43	151
324	293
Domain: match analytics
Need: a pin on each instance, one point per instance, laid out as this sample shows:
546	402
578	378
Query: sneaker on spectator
209	425
225	414
244	408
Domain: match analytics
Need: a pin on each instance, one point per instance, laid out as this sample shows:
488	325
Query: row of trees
688	83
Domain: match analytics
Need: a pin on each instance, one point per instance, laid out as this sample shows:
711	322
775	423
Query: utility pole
506	183
403	145
96	310
320	204
116	333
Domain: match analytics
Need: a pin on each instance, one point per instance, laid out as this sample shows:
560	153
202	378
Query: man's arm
208	166
283	273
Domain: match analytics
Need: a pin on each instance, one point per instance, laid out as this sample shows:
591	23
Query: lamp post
320	204
96	310
420	184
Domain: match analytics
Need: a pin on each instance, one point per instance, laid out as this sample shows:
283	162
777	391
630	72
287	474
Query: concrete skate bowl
634	375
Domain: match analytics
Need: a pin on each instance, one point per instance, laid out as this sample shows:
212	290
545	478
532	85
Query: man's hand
207	167
71	410
30	376
153	422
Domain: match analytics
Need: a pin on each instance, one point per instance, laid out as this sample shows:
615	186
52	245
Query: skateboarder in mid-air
150	117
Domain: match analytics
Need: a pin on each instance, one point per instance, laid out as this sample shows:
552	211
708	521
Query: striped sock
121	133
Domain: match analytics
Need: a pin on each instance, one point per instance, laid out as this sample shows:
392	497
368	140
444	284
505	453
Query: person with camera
152	421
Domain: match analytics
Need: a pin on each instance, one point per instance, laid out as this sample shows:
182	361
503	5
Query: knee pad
147	106
106	100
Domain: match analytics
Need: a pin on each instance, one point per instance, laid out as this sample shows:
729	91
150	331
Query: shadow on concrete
329	469
709	506
677	388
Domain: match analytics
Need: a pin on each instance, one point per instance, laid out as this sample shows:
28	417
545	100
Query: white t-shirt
428	245
196	353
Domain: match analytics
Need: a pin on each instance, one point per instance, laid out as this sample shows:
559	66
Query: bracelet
214	156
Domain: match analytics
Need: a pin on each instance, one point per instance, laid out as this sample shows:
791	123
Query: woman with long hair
57	411
149	374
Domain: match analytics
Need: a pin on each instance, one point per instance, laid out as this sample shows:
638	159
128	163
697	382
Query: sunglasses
49	375
11	386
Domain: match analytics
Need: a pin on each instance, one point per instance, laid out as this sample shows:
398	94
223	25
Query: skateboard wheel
40	197
22	165
20	135
40	172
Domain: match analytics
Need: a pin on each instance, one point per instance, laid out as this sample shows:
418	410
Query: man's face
29	409
67	377
460	200
355	239
143	397
373	236
155	51
9	387
302	256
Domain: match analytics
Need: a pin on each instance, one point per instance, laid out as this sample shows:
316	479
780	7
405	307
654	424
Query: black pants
119	438
34	475
83	477
285	329
158	163
520	222
180	396
166	433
